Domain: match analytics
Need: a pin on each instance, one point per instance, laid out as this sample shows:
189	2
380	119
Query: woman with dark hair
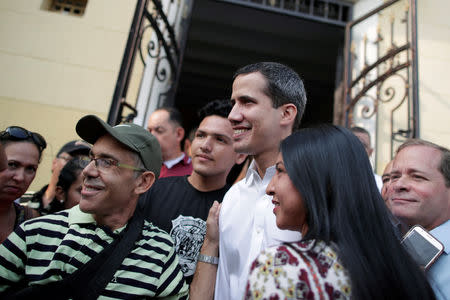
68	188
324	187
23	151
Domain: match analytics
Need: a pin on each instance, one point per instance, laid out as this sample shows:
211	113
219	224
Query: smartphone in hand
422	246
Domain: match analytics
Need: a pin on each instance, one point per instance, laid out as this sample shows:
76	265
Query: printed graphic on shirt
188	234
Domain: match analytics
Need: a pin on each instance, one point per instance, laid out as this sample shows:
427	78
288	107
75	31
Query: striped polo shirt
47	248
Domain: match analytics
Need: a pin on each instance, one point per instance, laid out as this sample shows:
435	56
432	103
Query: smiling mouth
89	192
90	189
402	200
239	131
276	206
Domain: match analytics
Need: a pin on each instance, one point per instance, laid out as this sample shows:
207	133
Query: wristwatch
214	260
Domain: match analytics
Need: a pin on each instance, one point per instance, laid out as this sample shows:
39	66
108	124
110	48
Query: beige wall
434	70
56	68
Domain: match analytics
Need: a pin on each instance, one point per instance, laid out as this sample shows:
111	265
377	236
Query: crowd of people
131	212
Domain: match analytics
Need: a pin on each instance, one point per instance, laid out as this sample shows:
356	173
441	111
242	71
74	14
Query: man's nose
90	170
235	114
206	146
399	184
19	174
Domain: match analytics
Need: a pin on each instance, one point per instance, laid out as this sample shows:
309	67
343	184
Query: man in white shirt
268	102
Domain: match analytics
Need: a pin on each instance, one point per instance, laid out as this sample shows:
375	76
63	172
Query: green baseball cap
134	137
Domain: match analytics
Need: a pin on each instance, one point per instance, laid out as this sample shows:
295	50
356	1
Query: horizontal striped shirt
48	248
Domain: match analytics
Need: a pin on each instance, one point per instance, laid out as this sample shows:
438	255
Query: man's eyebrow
421	172
243	98
409	170
221	136
102	155
214	134
246	97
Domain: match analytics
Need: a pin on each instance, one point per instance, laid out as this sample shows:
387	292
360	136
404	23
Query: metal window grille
335	12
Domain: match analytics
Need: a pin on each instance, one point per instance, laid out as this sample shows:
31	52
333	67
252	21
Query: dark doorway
223	37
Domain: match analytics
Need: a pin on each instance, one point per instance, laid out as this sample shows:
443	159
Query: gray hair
138	164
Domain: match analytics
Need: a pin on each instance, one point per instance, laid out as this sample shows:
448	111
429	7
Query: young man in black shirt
180	204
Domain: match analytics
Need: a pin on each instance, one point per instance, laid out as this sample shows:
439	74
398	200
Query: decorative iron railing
380	81
334	12
153	35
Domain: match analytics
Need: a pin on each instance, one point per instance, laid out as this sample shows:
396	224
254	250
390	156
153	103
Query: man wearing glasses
124	162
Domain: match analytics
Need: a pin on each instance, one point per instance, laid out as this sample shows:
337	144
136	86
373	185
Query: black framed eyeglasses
103	164
19	133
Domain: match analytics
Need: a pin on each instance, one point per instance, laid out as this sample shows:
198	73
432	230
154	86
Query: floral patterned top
302	270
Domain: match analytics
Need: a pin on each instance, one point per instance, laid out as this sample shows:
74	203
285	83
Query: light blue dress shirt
439	273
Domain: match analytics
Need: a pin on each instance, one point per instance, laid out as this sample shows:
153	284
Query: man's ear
144	182
288	113
187	147
240	157
180	133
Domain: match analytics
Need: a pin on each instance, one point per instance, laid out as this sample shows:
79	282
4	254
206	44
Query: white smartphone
422	246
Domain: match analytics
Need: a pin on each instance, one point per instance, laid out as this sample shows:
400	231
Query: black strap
88	281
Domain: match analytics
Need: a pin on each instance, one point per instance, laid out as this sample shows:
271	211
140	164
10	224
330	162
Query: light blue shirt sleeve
439	273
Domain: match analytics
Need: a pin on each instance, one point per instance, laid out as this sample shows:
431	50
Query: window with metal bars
329	11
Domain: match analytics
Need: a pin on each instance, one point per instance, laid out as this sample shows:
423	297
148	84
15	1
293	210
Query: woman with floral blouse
324	187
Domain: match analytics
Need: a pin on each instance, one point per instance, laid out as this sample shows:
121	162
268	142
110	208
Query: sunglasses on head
19	133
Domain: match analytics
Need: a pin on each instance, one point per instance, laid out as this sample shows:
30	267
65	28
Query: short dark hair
174	115
444	166
221	108
284	85
70	172
191	134
330	168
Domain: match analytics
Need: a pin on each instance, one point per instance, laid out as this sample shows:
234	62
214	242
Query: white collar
252	174
172	162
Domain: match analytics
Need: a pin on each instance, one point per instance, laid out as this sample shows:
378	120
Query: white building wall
55	68
433	33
